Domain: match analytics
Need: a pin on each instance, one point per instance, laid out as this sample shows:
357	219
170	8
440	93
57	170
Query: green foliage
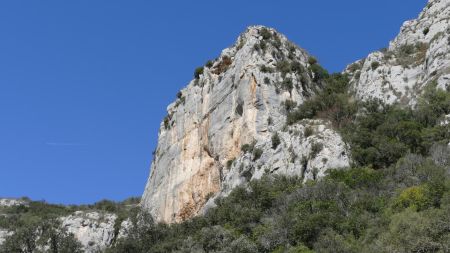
395	198
266	69
409	54
209	64
383	134
167	122
265	33
230	163
312	60
353	210
357	177
284	67
198	71
287	84
35	236
413	197
318	72
332	102
308	131
257	153
275	140
316	147
374	65
248	148
36	224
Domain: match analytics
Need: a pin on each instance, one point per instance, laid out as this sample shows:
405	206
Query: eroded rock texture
242	97
239	99
417	57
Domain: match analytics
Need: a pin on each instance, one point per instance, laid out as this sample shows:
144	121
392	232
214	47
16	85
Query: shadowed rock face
418	56
237	100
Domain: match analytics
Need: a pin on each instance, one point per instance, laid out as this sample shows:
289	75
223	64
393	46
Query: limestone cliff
241	99
94	230
418	56
238	99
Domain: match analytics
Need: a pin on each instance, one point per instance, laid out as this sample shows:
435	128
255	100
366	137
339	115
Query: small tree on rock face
312	60
275	140
374	65
265	33
198	71
316	147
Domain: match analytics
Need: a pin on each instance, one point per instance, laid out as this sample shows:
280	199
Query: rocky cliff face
238	99
418	56
241	100
94	230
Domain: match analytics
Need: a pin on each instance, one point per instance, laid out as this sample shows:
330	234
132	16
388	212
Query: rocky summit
418	56
220	132
238	100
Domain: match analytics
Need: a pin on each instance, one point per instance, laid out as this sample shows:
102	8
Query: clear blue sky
85	84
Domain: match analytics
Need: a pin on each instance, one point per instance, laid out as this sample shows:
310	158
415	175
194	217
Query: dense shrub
275	140
198	71
379	134
38	235
354	210
374	65
383	134
265	33
312	60
248	148
318	72
332	102
257	153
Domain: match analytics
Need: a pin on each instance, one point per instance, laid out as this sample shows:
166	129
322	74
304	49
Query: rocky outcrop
238	99
94	230
3	235
418	56
12	202
307	149
241	100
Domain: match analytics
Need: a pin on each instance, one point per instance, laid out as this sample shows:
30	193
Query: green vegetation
312	60
378	134
401	208
275	140
333	102
36	224
209	64
35	236
198	71
257	153
248	148
374	65
408	54
383	134
265	33
316	147
395	198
